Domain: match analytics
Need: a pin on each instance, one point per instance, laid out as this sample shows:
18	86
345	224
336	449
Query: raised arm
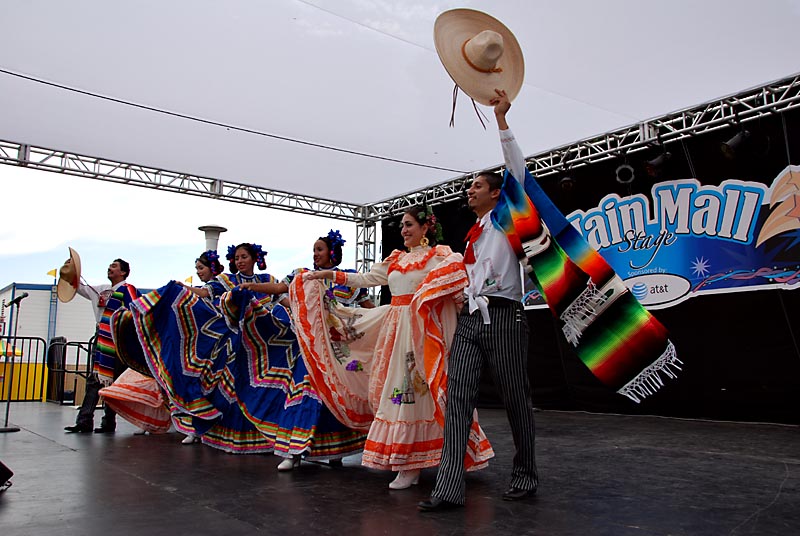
515	161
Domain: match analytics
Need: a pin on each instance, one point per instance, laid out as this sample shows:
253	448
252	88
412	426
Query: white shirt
93	293
496	271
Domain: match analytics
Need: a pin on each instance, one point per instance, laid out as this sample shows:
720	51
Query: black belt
499	301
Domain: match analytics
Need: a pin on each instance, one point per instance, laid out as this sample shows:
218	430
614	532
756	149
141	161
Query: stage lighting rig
656	166
730	147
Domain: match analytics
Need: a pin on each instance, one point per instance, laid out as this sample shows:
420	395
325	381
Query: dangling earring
424	242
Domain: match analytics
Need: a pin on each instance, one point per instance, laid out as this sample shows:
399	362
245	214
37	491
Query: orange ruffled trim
419	265
360	418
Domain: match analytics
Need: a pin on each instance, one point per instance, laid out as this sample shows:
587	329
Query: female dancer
327	254
137	398
235	368
176	335
384	369
207	267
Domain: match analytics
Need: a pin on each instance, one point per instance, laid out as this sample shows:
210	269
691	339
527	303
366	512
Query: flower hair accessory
260	255
426	215
335	239
213	260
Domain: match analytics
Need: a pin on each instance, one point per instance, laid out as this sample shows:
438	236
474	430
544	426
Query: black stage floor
599	474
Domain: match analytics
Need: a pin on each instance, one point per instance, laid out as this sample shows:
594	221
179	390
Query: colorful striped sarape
105	354
623	345
233	374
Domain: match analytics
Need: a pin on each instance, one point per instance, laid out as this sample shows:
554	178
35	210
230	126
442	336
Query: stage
599	475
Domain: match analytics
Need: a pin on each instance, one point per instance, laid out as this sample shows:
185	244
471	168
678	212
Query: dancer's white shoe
289	463
405	479
190	439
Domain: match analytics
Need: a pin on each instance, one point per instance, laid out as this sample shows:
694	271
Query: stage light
730	147
625	174
655	166
567	183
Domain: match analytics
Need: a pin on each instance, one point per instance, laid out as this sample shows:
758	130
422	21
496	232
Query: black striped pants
503	344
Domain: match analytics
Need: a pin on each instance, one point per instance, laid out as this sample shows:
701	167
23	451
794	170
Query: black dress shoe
336	462
435	504
104	430
516	494
79	429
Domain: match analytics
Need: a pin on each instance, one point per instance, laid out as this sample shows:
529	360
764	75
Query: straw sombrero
69	277
479	53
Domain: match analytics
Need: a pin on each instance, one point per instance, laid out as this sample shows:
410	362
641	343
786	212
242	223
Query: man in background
106	366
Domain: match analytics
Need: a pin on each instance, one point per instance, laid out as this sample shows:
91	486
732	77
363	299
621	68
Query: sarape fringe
623	345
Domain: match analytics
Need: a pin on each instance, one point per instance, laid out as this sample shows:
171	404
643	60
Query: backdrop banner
688	239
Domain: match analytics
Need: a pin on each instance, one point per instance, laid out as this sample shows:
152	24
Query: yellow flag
52	272
188	280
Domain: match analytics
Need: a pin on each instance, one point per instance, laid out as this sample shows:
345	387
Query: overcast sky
155	231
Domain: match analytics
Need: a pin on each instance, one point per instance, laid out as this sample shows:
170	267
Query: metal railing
32	371
23	372
69	364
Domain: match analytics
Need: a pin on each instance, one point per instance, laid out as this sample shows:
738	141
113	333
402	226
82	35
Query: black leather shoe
104	430
337	462
78	429
435	504
516	494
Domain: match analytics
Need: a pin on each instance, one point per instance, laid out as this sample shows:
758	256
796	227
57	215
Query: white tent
346	99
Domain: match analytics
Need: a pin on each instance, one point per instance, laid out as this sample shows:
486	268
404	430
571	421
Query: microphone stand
6	428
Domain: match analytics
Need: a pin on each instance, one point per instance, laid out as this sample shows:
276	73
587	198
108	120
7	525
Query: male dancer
106	299
492	329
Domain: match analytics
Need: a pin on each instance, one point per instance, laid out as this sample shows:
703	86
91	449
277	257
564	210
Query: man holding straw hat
620	342
106	367
484	59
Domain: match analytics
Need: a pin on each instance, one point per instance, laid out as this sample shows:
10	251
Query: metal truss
366	246
18	154
776	97
439	193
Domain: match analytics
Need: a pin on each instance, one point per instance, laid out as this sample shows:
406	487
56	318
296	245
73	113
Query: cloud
156	231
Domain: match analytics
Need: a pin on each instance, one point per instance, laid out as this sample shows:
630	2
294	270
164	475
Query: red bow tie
472	236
